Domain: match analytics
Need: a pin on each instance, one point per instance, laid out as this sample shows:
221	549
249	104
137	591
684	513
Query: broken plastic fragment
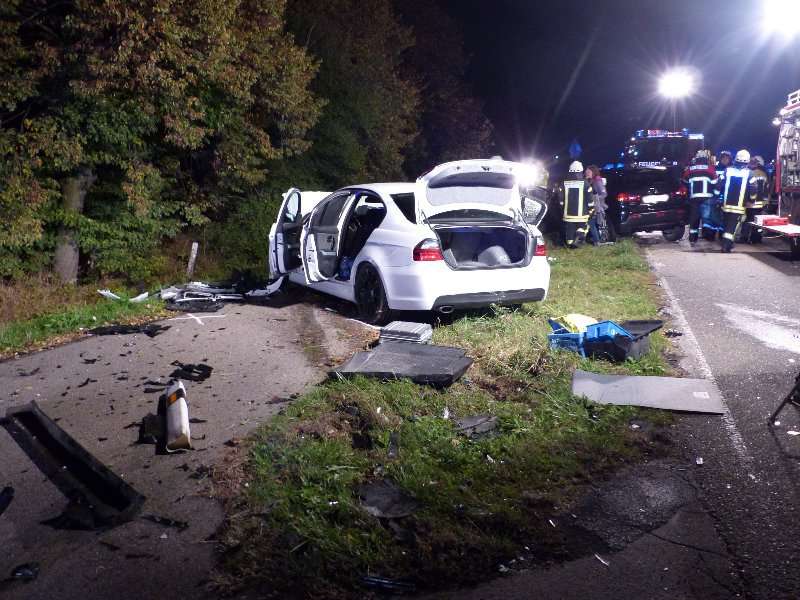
140	298
446	413
793	432
698	460
601	559
108	294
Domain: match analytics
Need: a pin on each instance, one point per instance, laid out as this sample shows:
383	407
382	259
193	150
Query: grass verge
297	527
56	325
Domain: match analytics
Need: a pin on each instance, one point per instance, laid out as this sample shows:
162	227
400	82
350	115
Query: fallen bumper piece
98	498
438	366
669	393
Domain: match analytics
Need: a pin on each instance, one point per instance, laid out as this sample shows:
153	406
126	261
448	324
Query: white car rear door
321	238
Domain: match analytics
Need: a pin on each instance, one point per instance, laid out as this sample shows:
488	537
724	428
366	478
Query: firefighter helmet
758	160
727	153
743	157
576	167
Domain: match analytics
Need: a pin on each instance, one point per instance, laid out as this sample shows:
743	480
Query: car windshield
658	150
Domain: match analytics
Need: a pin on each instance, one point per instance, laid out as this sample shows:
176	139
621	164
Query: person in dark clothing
700	179
597	188
759	194
577	204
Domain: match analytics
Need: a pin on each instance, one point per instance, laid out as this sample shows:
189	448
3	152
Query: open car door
321	238
285	233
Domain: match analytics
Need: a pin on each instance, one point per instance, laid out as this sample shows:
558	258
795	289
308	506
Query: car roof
386	189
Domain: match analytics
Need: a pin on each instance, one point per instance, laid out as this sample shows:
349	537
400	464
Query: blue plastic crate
606	330
567	341
557	327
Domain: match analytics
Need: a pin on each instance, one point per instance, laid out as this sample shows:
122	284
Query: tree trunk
73	192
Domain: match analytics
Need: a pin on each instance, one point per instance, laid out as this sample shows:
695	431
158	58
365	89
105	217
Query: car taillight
541	248
428	250
682	191
629	198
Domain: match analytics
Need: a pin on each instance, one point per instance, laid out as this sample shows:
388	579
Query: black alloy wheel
373	308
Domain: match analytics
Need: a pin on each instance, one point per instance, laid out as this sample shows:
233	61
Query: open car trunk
484	246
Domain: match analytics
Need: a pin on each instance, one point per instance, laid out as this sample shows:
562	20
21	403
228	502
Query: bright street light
781	17
677	83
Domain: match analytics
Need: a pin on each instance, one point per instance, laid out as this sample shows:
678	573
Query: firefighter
578	204
759	193
734	191
700	178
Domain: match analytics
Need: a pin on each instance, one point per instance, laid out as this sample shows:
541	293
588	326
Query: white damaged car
463	236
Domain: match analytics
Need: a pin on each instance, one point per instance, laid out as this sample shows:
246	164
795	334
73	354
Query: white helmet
743	157
759	160
576	167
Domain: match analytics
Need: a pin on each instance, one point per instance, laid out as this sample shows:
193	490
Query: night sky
525	54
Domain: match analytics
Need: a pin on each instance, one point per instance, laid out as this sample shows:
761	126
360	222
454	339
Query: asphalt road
98	388
740	314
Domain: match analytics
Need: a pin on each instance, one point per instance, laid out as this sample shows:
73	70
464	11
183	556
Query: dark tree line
124	122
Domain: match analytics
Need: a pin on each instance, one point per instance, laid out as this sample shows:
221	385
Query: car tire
373	307
675	234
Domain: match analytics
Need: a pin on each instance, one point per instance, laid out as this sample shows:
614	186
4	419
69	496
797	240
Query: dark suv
646	199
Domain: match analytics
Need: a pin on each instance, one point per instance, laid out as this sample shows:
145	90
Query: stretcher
789	231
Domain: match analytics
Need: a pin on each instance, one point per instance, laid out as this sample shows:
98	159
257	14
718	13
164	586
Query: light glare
677	83
781	17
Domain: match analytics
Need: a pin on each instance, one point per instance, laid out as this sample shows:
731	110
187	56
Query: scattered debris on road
669	393
673	333
602	560
191	372
424	364
385	500
699	461
112	296
151	330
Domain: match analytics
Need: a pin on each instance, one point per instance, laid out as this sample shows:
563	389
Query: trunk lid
471	186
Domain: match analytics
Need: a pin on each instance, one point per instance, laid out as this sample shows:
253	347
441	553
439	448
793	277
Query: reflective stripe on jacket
736	190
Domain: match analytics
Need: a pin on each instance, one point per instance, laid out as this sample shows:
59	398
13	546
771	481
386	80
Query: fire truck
650	148
787	177
787	162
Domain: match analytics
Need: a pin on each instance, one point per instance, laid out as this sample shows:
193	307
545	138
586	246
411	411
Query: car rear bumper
482	299
428	286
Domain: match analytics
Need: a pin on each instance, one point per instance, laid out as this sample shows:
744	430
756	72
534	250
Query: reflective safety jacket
700	180
735	191
578	201
759	188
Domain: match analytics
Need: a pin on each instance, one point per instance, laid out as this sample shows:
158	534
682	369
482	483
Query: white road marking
190	316
774	331
691	347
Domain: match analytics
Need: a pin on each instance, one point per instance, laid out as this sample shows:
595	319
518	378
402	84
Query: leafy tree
452	122
122	121
370	120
